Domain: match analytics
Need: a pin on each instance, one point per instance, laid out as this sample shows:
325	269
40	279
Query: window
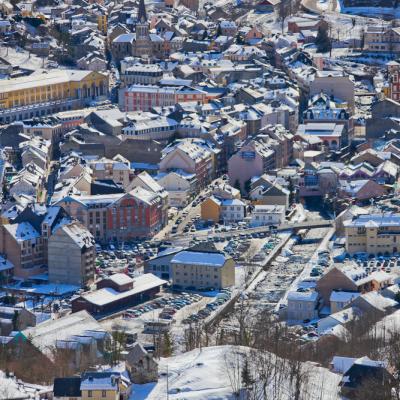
103	393
90	393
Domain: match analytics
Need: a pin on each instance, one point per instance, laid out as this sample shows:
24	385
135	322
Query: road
317	223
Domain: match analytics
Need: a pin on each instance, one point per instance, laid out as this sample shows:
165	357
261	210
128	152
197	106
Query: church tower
143	42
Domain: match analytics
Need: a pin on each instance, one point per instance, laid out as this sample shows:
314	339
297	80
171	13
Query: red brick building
118	217
145	97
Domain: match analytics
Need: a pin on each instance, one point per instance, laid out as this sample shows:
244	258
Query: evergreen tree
247	380
323	40
167	342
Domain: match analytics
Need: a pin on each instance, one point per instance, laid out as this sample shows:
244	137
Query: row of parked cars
222	297
176	303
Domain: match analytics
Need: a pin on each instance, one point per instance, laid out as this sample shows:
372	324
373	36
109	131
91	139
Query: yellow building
104	386
49	92
201	270
377	234
102	23
211	209
93	386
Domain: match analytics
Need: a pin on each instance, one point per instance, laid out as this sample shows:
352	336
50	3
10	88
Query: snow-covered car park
165	306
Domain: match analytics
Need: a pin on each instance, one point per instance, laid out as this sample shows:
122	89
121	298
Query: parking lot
271	285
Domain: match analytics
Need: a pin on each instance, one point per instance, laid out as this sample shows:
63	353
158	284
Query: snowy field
203	375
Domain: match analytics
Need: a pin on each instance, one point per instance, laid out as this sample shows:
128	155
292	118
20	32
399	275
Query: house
384	116
350	278
268	191
145	218
361	190
15	319
335	322
200	270
335	84
146	182
92	385
340	299
141	365
226	210
268	6
302	306
67	388
180	185
24	238
330	133
374	304
264	215
108	385
365	373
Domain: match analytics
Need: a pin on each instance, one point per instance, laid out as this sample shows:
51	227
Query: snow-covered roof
120	279
343	297
109	295
303	296
199	258
45	335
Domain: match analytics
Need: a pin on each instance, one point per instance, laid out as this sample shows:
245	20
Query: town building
76	266
50	92
118	292
376	234
201	270
264	215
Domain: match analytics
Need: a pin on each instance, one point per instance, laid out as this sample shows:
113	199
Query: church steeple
142	16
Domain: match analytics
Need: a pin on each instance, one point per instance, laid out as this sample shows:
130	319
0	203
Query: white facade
302	306
179	189
233	210
267	215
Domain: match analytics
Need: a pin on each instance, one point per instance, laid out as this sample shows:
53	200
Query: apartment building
394	80
77	247
382	39
145	97
199	270
120	216
190	157
116	169
253	159
144	74
145	181
40	239
335	84
377	234
149	126
49	92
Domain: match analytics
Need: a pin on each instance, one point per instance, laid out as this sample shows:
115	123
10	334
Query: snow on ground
10	388
202	374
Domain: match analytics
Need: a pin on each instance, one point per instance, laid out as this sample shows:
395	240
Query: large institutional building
49	92
377	234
